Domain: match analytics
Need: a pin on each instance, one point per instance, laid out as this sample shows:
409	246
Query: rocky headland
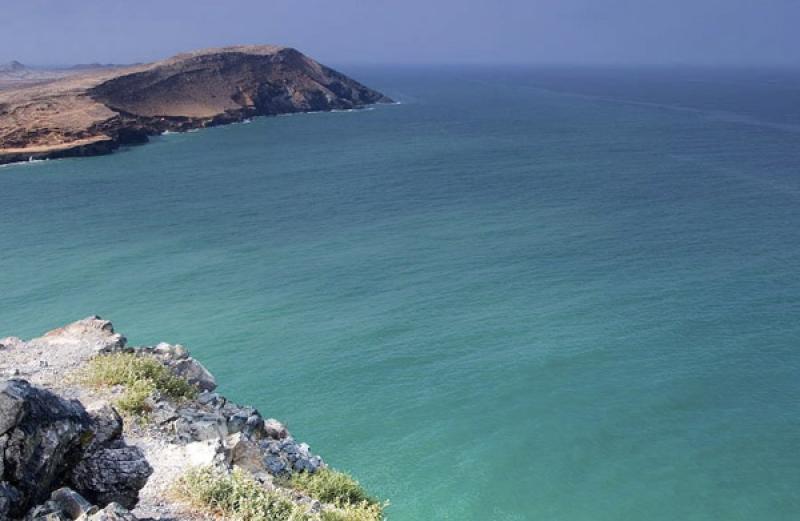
93	429
95	110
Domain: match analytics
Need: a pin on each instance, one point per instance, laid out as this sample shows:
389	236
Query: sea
521	293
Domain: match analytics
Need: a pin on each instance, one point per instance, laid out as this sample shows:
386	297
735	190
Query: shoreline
104	145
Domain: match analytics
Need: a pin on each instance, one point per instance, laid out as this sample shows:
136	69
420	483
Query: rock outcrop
42	438
61	460
96	111
47	442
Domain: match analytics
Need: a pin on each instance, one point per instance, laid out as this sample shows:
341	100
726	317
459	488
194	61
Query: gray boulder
195	373
275	429
161	411
93	334
64	502
282	457
197	425
245	453
113	473
112	512
46	441
110	470
49	511
211	399
170	351
42	436
248	421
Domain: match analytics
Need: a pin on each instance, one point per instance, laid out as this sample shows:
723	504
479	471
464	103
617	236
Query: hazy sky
409	31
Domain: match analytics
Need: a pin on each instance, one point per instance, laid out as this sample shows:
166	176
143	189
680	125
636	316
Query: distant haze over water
710	32
524	293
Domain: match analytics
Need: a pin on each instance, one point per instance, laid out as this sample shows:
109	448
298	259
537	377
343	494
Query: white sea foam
29	162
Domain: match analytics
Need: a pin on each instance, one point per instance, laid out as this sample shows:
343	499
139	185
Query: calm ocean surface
544	294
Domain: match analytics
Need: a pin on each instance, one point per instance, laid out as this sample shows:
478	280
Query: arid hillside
94	111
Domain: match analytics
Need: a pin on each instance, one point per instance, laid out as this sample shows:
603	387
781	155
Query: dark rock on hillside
64	504
114	473
48	442
42	437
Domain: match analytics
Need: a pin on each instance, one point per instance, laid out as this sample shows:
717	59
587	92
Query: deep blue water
522	294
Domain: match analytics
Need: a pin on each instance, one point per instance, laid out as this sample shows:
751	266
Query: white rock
207	453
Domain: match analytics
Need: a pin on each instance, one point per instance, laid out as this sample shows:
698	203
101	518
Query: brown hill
94	112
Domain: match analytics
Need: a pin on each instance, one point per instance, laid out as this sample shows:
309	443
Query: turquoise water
544	294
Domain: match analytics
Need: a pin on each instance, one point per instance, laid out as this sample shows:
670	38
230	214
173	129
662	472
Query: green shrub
236	496
362	512
331	486
134	400
141	375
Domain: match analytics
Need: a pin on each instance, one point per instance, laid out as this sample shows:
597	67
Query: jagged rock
246	420
106	424
112	474
100	467
275	429
195	425
71	503
48	511
276	464
161	412
47	441
245	453
302	459
195	373
238	420
211	399
286	455
174	352
112	512
254	428
41	437
93	332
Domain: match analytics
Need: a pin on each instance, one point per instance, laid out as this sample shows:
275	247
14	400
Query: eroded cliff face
244	81
95	112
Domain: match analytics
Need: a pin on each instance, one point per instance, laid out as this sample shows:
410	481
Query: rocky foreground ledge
68	453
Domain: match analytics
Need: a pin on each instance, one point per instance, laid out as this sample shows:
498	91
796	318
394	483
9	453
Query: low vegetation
141	376
331	486
363	512
237	496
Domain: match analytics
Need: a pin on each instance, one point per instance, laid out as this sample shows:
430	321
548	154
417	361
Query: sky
596	32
